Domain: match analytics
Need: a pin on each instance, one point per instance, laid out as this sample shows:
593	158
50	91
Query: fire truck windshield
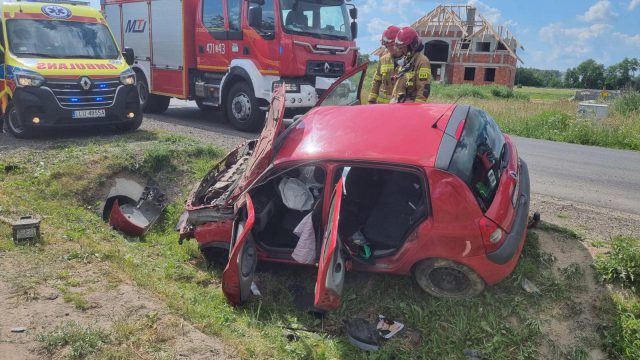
325	19
60	39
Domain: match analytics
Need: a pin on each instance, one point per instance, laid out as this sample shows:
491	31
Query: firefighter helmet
408	36
389	35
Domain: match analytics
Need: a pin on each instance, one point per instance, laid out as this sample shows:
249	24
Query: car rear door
262	156
331	267
346	90
243	258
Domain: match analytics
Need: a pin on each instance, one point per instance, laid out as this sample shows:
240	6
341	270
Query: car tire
131	126
13	123
446	279
242	108
150	103
203	107
215	257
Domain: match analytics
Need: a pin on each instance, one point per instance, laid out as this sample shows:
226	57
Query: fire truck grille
83	94
325	68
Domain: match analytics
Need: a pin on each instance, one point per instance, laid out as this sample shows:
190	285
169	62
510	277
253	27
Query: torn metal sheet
132	208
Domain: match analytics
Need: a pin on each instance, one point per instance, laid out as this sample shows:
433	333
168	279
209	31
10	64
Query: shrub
622	331
627	103
621	264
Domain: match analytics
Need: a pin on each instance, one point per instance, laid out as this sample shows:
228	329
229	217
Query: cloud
632	40
490	13
601	11
569	45
375	27
633	4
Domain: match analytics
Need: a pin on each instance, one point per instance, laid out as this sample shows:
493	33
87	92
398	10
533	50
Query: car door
262	156
243	258
331	267
346	90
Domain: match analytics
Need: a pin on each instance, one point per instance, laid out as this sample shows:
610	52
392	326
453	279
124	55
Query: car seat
296	18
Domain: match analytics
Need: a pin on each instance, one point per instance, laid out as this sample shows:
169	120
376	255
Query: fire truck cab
228	54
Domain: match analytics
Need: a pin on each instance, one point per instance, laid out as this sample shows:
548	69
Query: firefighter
414	73
385	76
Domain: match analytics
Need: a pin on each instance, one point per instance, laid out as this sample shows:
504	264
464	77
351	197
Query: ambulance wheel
14	125
446	279
131	126
151	103
203	107
242	108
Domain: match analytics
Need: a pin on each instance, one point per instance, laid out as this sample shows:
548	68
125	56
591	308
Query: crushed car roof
398	133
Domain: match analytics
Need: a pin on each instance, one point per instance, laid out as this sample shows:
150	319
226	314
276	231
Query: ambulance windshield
324	19
60	39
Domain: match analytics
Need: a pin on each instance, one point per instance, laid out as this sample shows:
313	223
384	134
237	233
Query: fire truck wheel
13	123
151	103
446	279
242	108
204	107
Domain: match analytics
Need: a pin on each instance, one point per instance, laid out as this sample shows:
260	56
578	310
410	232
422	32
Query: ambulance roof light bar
67	2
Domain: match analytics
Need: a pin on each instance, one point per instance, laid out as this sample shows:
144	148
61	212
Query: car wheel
215	257
132	125
150	103
447	279
242	108
13	123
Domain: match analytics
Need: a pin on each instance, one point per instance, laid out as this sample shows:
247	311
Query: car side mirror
255	17
128	55
353	12
354	29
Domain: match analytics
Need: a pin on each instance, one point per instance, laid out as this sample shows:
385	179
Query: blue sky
556	34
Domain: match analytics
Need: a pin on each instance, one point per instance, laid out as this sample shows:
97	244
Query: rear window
477	157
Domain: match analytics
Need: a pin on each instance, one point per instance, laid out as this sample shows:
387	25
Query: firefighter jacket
414	80
383	80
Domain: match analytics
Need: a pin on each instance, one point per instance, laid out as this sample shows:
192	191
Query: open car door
263	152
331	267
243	258
346	90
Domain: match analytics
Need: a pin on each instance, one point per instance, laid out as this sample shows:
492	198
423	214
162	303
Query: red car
430	190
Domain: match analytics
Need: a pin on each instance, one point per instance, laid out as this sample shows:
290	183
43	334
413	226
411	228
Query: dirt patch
41	304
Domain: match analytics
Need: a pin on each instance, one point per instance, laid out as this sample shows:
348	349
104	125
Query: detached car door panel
331	267
243	258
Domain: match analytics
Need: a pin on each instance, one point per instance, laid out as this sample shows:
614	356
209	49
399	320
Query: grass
542	113
621	266
505	322
82	341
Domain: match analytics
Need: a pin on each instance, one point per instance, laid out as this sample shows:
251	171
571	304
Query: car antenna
435	124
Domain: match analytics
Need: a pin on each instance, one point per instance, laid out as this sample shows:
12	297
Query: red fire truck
227	54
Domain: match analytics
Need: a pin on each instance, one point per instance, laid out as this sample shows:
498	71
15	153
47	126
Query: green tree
621	75
571	78
591	74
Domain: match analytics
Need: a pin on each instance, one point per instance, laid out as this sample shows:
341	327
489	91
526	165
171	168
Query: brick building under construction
463	47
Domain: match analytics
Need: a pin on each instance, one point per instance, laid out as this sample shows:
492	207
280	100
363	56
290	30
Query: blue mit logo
56	12
135	26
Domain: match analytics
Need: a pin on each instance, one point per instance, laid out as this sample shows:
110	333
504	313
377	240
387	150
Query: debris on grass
530	287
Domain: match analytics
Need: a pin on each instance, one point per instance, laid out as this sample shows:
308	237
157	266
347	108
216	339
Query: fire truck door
135	29
212	34
167	67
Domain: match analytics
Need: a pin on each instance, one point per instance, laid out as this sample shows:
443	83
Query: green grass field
545	94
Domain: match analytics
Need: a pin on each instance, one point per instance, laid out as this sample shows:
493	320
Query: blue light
99	99
102	86
75	99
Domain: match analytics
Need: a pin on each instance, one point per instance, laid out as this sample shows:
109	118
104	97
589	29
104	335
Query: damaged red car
433	191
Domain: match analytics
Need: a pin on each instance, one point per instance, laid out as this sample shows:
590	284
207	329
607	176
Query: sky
556	34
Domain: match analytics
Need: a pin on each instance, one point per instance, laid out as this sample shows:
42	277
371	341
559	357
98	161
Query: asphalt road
600	177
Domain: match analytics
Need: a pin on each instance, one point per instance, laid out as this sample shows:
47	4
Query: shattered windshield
60	39
324	19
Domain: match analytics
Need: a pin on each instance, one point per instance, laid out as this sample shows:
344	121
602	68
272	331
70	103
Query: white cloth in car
305	251
295	194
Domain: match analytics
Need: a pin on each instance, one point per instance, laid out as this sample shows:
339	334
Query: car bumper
41	103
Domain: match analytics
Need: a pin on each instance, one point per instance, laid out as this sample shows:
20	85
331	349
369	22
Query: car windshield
476	159
60	39
325	19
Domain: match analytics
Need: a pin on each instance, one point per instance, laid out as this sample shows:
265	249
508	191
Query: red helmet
389	35
408	36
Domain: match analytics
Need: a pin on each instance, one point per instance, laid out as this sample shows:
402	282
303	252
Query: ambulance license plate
82	114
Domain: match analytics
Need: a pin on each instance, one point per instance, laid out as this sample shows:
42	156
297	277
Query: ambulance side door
3	83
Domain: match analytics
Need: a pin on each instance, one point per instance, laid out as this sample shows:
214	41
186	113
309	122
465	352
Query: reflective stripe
410	74
386	67
421	101
373	97
377	77
424	73
382	100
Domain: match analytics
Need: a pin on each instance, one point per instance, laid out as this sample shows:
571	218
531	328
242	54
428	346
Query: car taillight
492	235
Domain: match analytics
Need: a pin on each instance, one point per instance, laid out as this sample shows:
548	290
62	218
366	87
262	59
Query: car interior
380	207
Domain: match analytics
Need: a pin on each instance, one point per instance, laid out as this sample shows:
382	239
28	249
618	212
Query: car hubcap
15	123
142	92
241	107
452	281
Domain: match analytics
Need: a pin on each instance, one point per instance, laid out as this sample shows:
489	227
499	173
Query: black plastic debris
362	334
